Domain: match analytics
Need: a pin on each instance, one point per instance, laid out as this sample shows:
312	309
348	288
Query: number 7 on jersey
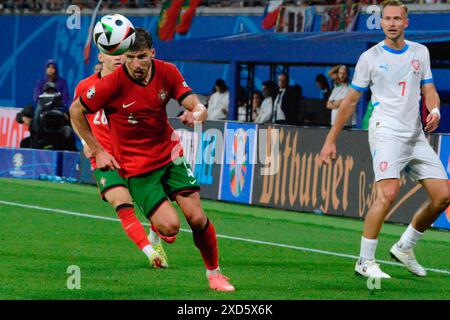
403	84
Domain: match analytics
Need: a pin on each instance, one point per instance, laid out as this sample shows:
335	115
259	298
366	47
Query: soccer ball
114	34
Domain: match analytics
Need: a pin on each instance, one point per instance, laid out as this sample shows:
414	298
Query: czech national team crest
383	166
162	95
416	64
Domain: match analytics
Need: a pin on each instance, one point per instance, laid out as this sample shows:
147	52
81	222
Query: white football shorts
391	155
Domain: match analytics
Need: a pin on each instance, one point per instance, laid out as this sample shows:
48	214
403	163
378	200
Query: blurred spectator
324	86
98	68
59	5
241	104
218	101
285	109
338	94
333	74
26	117
367	115
51	75
269	93
257	100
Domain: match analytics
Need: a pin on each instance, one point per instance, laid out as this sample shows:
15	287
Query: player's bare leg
120	199
439	192
166	220
165	225
205	239
387	191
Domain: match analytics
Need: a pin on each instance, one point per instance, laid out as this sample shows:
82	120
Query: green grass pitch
37	246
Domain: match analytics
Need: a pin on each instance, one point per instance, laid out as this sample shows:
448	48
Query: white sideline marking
280	245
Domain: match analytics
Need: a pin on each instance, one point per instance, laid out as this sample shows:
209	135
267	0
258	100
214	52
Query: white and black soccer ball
114	34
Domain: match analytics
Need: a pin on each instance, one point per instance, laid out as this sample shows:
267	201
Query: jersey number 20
100	118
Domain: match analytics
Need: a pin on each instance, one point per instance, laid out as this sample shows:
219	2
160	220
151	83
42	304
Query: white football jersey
395	78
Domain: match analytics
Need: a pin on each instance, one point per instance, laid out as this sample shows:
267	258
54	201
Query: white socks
153	237
148	250
408	239
368	248
215	271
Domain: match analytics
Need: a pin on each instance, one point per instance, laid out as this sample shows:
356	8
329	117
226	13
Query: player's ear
100	57
153	52
406	23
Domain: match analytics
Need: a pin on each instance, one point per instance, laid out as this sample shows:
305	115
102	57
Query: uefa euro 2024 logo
238	164
17	163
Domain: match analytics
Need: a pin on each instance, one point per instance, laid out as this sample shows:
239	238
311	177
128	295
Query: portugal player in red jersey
112	187
134	98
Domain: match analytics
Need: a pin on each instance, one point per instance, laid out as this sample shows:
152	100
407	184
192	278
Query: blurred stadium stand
60	5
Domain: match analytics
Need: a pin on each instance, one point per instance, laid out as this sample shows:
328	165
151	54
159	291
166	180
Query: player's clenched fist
187	118
328	152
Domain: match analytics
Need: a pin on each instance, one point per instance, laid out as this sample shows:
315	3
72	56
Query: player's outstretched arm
81	126
433	104
195	111
346	110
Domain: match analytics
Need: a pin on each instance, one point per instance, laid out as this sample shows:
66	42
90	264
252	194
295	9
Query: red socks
132	226
206	241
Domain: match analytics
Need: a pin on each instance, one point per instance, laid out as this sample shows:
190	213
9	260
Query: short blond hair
394	3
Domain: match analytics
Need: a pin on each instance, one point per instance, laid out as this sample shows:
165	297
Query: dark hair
221	84
320	78
241	95
259	94
143	40
272	88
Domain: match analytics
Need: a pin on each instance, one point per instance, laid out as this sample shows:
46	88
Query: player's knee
118	196
388	195
197	221
169	228
442	201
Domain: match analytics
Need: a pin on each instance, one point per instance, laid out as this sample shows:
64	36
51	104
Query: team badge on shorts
103	181
91	93
162	95
383	166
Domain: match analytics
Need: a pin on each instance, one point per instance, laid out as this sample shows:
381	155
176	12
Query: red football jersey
141	135
97	121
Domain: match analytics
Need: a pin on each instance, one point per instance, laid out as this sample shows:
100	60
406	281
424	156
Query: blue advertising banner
86	174
203	150
236	181
70	164
27	163
444	153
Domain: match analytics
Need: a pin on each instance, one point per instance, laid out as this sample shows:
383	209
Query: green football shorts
107	180
150	190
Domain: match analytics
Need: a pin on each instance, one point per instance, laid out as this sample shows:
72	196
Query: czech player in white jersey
397	71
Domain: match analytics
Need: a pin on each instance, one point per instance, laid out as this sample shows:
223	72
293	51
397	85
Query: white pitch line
273	244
